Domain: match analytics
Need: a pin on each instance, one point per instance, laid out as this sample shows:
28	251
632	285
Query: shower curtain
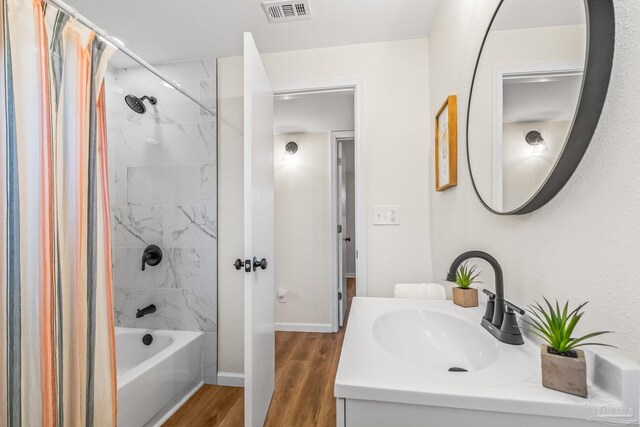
57	354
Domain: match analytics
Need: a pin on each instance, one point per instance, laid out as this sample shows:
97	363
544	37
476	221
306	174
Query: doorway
344	197
314	158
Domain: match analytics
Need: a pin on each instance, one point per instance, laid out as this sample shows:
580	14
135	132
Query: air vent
283	10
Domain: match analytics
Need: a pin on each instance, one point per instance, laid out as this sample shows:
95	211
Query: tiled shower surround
163	192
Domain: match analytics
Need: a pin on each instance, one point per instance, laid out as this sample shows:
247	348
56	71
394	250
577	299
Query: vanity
430	363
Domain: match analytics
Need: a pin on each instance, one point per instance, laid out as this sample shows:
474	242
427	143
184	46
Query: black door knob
259	263
239	263
152	255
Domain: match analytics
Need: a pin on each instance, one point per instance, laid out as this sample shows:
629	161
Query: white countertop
368	371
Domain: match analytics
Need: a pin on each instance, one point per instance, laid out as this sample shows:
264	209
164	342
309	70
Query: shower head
137	104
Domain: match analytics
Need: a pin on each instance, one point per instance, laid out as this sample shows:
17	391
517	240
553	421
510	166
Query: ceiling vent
286	10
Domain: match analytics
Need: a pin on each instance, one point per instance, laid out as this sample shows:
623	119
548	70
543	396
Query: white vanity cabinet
366	413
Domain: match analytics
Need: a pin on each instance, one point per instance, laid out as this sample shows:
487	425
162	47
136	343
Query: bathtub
154	380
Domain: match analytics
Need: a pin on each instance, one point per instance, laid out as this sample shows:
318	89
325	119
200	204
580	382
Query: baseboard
231	379
304	327
350	275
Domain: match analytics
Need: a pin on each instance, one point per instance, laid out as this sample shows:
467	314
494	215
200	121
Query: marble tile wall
163	191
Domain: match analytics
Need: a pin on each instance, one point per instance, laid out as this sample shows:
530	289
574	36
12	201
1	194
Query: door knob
238	264
347	239
259	263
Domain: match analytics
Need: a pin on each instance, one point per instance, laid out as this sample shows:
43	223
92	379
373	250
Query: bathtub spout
146	310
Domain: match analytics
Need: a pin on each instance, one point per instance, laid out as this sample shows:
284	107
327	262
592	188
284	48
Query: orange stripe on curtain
47	367
104	174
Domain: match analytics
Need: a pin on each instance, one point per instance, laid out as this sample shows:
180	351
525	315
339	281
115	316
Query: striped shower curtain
57	356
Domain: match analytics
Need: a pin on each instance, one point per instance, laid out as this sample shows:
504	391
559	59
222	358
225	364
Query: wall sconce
536	141
291	148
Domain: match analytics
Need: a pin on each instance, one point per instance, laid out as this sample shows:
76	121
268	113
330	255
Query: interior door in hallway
343	233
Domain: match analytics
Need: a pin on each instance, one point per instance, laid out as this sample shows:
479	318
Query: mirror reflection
525	94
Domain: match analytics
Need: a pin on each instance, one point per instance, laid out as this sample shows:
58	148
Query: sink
397	355
438	341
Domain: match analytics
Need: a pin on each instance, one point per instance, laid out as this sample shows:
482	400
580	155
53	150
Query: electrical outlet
386	215
394	215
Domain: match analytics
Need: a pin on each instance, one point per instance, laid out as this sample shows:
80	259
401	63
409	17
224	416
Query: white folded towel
433	291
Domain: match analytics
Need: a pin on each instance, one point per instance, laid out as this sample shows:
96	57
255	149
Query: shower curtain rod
118	45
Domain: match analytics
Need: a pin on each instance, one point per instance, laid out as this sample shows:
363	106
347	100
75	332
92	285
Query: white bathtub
154	380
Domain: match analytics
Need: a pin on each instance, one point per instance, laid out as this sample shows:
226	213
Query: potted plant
564	366
464	295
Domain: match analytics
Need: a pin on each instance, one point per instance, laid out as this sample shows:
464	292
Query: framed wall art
446	144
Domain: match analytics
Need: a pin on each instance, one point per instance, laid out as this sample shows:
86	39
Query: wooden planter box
563	373
465	297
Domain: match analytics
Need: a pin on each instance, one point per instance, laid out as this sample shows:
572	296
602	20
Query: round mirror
538	89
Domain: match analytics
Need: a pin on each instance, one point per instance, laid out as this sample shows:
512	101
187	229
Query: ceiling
170	30
519	14
313	112
541	99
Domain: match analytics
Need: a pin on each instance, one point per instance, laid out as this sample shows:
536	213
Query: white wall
396	126
584	244
396	131
303	228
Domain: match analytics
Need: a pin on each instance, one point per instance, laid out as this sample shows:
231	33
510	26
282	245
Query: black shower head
137	104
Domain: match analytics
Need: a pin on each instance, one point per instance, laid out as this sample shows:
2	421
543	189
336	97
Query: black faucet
499	318
146	310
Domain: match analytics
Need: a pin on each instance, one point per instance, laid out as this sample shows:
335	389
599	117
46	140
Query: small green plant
555	326
467	276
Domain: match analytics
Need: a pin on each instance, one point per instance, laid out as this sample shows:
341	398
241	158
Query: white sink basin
400	351
438	342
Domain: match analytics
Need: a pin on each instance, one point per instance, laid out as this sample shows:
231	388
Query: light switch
386	215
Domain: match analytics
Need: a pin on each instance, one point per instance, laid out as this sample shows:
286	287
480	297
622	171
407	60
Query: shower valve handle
152	256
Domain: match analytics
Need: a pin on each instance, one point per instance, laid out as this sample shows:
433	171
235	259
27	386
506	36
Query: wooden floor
306	365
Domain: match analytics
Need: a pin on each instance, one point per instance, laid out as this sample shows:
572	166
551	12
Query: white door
343	234
259	294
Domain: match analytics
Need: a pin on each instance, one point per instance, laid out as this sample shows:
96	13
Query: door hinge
339	228
339	161
339	295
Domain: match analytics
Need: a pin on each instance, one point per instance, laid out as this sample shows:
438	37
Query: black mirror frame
597	73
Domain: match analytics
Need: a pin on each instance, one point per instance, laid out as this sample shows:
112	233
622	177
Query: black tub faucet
500	318
146	310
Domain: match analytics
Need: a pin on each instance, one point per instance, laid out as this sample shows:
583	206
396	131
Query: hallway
306	365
